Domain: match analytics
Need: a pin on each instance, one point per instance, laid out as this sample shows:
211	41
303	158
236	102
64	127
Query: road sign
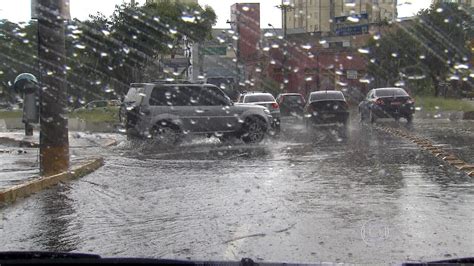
214	50
351	74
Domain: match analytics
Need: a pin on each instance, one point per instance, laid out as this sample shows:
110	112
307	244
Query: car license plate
396	103
329	116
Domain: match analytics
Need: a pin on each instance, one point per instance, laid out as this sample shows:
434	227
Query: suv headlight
266	111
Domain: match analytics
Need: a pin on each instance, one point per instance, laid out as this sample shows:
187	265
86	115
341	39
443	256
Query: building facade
319	15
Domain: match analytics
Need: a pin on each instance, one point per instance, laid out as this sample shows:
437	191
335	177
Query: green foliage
105	114
443	104
106	54
422	53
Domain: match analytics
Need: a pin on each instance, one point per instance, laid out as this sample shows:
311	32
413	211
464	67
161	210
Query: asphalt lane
360	196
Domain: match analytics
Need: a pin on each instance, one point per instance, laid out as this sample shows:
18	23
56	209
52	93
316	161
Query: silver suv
167	111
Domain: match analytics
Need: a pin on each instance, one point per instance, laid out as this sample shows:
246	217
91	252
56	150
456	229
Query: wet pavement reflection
359	196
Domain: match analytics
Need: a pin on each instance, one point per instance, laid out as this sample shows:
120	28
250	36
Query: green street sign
214	50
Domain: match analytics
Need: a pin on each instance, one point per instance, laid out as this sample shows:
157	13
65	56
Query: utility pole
285	7
54	142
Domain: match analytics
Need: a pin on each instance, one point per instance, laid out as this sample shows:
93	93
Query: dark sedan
387	103
326	108
291	104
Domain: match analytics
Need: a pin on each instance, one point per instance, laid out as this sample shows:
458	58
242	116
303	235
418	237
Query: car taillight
379	102
275	106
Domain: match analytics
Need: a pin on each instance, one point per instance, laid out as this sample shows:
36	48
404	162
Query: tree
424	52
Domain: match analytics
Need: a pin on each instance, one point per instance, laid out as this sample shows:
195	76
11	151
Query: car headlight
266	111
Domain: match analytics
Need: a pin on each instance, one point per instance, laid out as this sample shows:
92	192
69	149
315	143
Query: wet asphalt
322	195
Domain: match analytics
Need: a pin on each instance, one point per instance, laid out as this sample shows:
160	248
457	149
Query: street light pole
54	142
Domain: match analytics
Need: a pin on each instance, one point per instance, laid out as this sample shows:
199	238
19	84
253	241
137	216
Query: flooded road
360	197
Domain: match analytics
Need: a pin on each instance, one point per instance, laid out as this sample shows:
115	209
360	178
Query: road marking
427	145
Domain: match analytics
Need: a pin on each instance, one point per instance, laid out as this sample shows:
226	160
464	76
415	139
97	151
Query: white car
264	99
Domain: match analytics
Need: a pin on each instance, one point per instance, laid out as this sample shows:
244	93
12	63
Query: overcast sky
19	10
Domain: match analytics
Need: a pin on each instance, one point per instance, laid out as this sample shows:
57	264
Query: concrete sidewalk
19	156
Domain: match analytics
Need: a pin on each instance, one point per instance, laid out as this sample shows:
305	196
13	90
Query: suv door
217	111
178	102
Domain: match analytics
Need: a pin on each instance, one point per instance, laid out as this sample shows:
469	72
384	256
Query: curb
428	146
21	143
10	195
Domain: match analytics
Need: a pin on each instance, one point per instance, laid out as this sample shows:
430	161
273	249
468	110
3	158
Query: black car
291	104
387	103
326	108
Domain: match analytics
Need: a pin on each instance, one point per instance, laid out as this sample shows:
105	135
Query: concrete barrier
11	194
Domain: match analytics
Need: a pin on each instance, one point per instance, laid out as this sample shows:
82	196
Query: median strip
11	194
429	146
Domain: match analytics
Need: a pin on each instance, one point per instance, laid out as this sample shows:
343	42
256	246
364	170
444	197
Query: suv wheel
166	133
254	130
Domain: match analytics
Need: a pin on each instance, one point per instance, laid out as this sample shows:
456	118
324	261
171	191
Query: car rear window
134	95
259	98
327	95
390	92
293	98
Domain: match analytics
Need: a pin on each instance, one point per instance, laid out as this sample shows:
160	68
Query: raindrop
439	10
272	62
308	78
170	46
235	38
126	50
322	41
349	57
199	111
400	83
266	48
245	8
372	60
376	37
422	57
394	55
461	66
188	19
454	77
353	19
418	108
363	50
103	54
172	31
49	73
193	122
275	46
306	47
80	46
268	34
106	32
